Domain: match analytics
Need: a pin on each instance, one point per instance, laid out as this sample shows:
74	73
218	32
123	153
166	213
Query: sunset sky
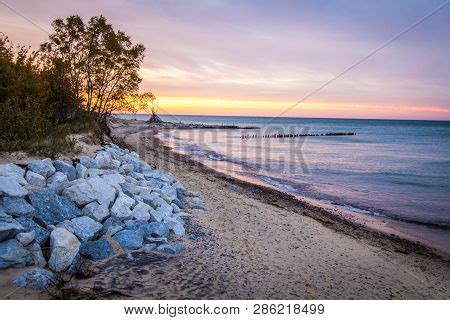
259	57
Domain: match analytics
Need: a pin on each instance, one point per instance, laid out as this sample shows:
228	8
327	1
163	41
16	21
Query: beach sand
257	243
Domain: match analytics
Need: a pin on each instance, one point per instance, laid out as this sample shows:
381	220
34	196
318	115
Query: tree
101	64
135	102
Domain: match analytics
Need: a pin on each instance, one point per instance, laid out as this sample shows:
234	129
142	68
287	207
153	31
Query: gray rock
156	240
35	179
41	234
66	224
9	228
160	213
82	171
64	247
141	211
81	193
66	168
96	211
139	226
52	208
178	203
114	179
58	182
25	238
13	254
171	248
92	189
86	228
128	239
176	226
151	199
154	182
36	253
10	187
104	160
111	226
170	192
93	172
159	229
43	167
100	249
11	169
149	247
18	207
127	168
176	209
122	207
36	279
88	162
199	204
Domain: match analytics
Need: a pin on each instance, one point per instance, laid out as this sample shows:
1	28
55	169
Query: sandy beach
256	243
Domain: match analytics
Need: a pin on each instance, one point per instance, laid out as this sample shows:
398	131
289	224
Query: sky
258	58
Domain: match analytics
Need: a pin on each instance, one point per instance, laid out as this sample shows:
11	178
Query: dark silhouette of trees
101	64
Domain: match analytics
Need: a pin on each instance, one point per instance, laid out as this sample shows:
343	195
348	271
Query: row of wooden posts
295	135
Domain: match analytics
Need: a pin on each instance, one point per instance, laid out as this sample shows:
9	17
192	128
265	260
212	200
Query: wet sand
257	243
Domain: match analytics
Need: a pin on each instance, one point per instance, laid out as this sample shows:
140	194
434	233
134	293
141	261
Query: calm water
396	169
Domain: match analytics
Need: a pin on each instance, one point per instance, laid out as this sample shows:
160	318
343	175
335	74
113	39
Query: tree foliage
101	64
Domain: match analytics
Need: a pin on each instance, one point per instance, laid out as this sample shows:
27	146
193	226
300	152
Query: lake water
398	170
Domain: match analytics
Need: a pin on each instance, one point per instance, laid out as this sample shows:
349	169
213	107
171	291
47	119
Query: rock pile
54	214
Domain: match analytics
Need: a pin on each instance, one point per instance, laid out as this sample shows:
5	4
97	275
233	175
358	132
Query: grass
56	140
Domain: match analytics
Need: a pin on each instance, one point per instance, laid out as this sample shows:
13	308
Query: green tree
101	64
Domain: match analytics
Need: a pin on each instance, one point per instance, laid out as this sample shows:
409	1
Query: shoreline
386	227
398	258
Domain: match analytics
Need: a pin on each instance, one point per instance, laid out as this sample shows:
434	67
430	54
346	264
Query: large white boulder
64	247
122	207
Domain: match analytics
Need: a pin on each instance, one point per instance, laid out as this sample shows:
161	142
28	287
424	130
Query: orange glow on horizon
231	107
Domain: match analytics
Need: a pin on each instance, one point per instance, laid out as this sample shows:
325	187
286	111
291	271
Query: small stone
82	171
88	162
68	169
64	247
128	239
43	167
176	209
10	187
127	168
36	279
96	211
171	248
111	226
13	254
36	253
18	207
178	203
35	179
199	204
41	234
159	229
25	238
86	228
156	240
58	182
81	193
176	226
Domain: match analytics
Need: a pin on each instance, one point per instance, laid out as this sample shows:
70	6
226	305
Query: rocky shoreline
57	215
